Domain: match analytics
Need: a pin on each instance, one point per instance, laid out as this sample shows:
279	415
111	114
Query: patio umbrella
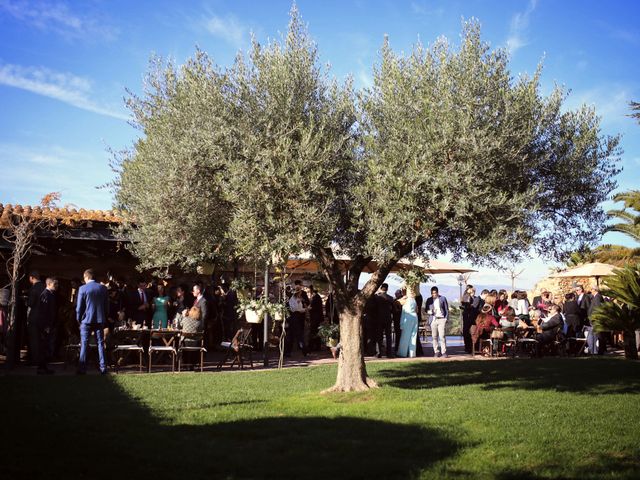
595	269
306	263
433	267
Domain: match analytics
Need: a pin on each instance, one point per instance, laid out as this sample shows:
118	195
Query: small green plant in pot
242	286
329	333
277	311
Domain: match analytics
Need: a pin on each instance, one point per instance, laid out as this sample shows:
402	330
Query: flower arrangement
260	306
329	333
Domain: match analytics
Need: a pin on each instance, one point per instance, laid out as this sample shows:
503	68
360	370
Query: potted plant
242	287
329	333
253	310
277	311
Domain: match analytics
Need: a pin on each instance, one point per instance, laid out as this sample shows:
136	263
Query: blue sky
64	67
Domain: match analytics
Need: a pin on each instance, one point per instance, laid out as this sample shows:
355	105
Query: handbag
497	334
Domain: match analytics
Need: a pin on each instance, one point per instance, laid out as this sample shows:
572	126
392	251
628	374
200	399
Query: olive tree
169	185
446	152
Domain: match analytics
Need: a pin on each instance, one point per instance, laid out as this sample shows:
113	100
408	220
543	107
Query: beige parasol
595	269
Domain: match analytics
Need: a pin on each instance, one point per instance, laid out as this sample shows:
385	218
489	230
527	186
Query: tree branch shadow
92	428
593	376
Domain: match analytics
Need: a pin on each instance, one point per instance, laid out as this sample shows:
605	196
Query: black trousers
295	333
466	334
44	349
384	330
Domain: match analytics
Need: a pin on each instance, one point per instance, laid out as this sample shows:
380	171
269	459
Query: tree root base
368	384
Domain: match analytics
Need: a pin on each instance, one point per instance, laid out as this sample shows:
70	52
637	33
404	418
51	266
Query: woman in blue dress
160	305
408	325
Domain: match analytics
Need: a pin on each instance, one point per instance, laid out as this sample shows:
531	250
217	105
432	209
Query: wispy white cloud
57	17
518	28
227	28
627	36
65	87
423	8
611	102
36	170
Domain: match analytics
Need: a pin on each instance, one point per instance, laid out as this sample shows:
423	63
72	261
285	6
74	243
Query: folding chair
167	346
237	347
192	342
576	345
125	341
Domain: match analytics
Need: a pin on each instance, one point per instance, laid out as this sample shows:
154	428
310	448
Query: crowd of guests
48	317
391	324
546	319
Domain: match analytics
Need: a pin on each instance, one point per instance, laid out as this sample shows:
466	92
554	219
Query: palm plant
623	314
630	214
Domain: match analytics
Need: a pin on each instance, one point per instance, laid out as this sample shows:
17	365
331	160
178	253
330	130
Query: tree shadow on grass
580	375
89	427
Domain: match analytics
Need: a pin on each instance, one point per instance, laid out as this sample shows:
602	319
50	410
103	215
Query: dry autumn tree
446	152
19	230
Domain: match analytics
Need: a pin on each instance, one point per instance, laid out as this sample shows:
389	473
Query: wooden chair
73	348
422	330
576	345
124	342
483	342
167	346
192	342
237	347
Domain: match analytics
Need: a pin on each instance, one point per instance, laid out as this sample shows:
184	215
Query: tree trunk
13	351
352	372
630	347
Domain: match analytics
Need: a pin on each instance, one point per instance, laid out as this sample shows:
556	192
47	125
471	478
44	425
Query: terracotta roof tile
65	215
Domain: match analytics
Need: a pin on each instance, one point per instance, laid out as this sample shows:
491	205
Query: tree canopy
446	152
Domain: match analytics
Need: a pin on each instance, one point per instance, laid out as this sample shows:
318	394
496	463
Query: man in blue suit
91	310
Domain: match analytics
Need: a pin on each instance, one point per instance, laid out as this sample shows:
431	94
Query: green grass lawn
549	418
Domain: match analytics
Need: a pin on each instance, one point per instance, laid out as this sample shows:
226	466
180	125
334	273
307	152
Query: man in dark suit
140	304
203	304
91	311
316	316
33	301
471	305
47	310
583	300
419	300
596	299
384	307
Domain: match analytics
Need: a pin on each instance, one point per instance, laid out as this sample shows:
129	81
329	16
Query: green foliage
271	156
170	185
413	277
327	331
629	215
624	312
439	123
241	283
